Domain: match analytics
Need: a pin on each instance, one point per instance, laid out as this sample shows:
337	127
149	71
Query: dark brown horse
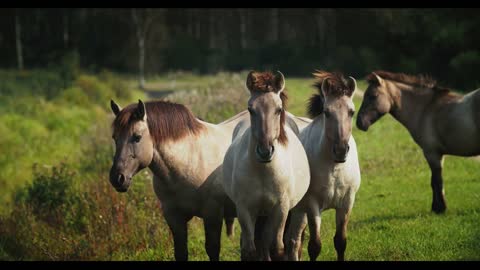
440	122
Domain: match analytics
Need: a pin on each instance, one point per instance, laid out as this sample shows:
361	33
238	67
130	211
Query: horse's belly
186	200
462	139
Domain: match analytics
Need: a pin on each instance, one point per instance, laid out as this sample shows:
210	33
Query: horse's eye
351	113
136	138
327	114
279	111
250	110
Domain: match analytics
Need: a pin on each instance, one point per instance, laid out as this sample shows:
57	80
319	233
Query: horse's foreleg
295	232
247	242
340	238
314	224
178	226
273	247
435	161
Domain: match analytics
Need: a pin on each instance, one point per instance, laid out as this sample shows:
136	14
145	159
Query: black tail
229	224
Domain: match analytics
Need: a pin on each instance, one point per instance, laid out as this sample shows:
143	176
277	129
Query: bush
119	87
34	82
50	195
97	92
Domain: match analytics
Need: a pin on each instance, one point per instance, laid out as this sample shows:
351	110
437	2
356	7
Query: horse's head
376	102
335	102
133	144
267	112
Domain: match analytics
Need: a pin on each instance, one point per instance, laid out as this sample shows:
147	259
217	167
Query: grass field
391	219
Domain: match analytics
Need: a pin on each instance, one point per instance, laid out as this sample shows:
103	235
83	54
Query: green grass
391	219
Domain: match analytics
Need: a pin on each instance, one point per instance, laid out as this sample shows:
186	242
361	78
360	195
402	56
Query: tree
18	39
142	19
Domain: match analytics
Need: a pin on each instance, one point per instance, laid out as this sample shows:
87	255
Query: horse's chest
330	187
263	192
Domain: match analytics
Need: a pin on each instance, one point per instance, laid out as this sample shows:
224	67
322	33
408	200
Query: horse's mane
421	80
265	82
166	120
338	86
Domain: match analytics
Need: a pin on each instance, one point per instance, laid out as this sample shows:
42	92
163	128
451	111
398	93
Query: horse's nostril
121	179
348	148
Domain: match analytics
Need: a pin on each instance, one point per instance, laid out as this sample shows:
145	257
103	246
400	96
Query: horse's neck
318	144
409	104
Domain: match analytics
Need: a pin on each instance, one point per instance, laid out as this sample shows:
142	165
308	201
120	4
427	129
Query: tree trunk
18	40
141	47
65	29
141	62
198	24
321	28
243	28
211	30
274	16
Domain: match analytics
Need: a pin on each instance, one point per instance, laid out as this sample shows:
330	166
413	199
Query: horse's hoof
439	208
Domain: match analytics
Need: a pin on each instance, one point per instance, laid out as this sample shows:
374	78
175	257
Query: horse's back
299	123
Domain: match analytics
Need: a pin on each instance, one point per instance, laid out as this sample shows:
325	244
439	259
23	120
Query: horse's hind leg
340	238
435	161
178	226
213	232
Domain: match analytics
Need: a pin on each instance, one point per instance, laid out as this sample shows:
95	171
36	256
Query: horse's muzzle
361	123
340	154
264	155
119	181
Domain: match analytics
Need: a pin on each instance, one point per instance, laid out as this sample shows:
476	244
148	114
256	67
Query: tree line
443	43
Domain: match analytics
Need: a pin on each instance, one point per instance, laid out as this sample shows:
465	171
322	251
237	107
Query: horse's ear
250	81
378	79
325	87
352	86
279	82
115	108
141	112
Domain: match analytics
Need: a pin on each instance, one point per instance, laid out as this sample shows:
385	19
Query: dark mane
338	86
265	82
166	120
424	81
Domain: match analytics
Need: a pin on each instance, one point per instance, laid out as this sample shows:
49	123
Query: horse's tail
230	213
229	224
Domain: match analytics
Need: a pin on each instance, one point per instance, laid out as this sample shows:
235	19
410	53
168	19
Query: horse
334	166
439	120
185	156
265	168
